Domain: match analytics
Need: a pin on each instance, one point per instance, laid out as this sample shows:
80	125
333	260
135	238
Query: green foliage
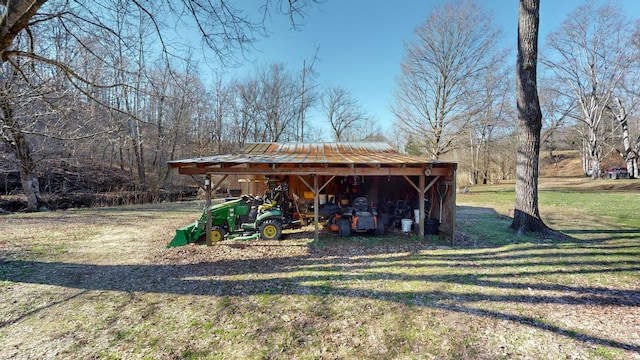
413	147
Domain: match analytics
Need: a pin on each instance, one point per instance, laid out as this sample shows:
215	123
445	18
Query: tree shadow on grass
488	228
604	235
525	272
480	274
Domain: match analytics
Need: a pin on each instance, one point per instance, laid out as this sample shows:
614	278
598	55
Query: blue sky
361	42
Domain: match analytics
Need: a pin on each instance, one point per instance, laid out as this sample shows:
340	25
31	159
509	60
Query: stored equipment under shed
400	186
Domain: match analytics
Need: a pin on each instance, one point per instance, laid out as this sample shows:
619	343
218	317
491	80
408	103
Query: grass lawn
100	284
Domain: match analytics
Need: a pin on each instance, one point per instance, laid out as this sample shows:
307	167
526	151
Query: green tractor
245	218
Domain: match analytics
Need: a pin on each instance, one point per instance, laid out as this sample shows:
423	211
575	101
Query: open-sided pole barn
335	168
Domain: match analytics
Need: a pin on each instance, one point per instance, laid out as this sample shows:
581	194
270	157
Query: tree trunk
17	15
12	135
28	179
636	151
486	156
629	155
31	188
526	217
594	154
473	168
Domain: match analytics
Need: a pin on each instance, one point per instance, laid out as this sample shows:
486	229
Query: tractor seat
269	203
267	206
360	204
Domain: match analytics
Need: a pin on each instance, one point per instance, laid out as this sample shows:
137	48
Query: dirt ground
101	284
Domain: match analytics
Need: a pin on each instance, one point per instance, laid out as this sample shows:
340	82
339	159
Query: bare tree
344	114
278	103
221	98
245	112
307	92
526	217
183	116
13	98
90	27
629	153
556	110
223	28
130	69
40	113
491	121
265	106
449	53
589	59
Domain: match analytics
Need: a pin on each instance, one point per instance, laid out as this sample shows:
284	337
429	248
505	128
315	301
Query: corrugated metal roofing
318	153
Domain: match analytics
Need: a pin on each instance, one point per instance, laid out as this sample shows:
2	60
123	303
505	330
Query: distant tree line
455	97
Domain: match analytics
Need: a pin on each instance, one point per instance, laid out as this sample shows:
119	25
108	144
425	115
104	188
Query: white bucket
406	225
416	216
322	199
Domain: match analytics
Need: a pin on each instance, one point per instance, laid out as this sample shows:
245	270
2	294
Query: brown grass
101	284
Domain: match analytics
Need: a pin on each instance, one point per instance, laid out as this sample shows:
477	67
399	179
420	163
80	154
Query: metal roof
307	155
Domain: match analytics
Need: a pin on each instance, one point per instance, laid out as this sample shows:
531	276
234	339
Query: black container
431	226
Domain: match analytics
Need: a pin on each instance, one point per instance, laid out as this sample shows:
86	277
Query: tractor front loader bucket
186	235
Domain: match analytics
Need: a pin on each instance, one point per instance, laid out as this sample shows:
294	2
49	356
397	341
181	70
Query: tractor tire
217	233
344	228
270	230
379	227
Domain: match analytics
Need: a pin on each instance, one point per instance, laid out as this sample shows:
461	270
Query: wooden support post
316	205
207	196
421	188
421	183
452	202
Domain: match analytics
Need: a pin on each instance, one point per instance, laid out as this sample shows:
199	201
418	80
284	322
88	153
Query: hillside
564	170
82	186
562	164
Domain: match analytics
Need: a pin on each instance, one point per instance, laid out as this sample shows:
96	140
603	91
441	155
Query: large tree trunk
28	178
16	19
594	154
11	134
31	188
526	217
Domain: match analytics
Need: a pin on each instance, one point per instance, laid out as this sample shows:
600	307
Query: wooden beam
412	184
433	181
305	182
383	171
326	183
